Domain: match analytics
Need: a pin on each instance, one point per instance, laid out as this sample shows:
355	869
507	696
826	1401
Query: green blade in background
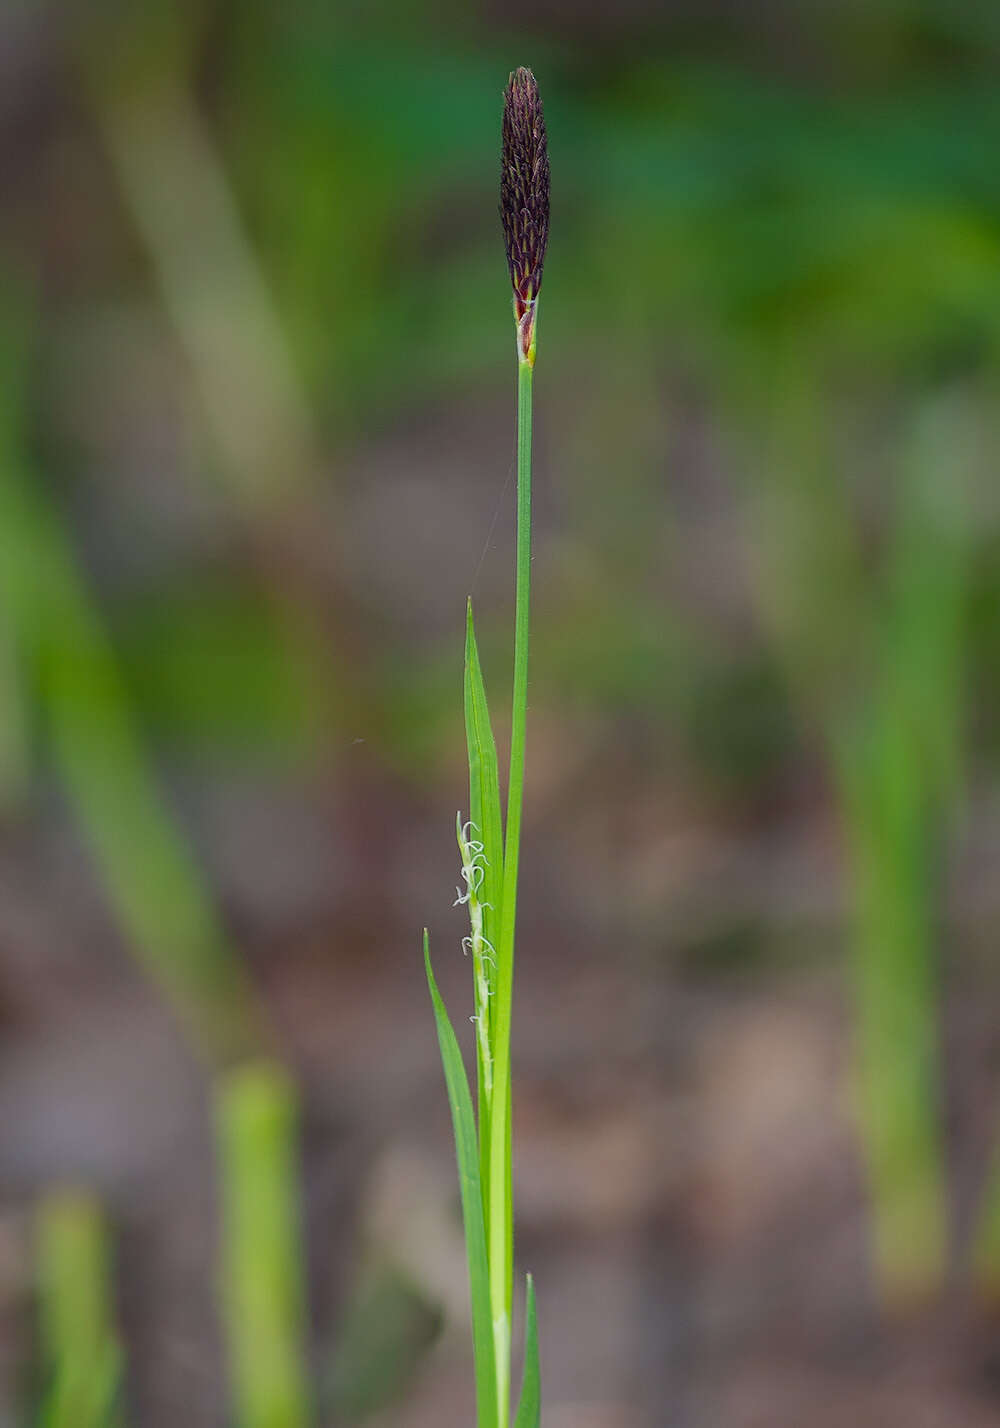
899	777
896	1054
262	1276
81	1356
151	877
529	1409
460	1100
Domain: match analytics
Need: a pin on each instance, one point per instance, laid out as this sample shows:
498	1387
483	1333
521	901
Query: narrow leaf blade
529	1409
460	1100
484	780
484	811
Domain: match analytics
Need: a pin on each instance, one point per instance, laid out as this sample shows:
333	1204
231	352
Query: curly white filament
483	952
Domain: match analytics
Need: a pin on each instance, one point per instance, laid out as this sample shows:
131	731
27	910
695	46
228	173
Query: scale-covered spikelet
524	199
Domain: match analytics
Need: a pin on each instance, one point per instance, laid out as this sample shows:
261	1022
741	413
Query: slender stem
501	1239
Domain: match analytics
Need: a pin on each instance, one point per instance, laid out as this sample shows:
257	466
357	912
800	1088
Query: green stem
500	1233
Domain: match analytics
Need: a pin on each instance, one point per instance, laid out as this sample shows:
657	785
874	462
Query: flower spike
524	200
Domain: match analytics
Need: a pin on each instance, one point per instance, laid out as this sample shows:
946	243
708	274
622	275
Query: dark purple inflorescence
524	195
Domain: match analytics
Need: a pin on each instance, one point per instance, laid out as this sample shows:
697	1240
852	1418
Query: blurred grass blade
460	1100
237	344
81	1356
263	1293
149	873
899	767
896	1058
529	1409
150	876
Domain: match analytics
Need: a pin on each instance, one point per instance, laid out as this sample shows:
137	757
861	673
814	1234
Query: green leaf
484	811
484	781
529	1409
460	1100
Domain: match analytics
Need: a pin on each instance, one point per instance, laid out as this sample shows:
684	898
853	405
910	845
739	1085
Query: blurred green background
256	448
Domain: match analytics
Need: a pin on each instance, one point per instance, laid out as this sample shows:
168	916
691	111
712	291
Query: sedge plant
489	844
